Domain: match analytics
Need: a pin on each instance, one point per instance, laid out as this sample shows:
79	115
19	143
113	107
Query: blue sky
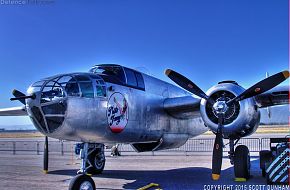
207	41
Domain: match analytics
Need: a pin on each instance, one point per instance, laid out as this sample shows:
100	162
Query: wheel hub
86	186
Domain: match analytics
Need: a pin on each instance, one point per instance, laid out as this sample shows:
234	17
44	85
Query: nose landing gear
93	162
240	158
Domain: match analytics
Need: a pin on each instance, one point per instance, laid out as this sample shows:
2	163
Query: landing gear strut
93	162
240	158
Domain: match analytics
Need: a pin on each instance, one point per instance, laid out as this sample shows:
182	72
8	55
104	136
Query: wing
14	111
276	96
185	107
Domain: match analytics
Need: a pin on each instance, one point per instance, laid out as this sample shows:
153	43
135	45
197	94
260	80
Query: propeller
218	150
186	84
221	106
45	156
262	86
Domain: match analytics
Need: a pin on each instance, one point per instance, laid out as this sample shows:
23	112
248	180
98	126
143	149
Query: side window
87	89
86	86
70	85
101	88
131	79
140	80
72	89
101	91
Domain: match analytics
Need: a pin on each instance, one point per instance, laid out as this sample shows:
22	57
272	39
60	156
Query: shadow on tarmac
182	178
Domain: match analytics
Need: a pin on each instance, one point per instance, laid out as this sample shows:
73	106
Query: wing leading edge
274	97
14	111
185	107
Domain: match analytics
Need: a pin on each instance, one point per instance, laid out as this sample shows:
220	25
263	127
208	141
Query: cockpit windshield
120	75
110	73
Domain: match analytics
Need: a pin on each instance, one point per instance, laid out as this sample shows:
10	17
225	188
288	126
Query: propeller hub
220	107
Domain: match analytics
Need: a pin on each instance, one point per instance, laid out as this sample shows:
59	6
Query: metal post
61	145
14	148
37	148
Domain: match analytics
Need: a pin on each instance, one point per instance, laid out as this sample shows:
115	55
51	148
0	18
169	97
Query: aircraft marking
117	112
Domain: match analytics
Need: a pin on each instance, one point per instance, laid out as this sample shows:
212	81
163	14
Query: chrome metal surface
220	107
117	113
248	116
86	118
86	185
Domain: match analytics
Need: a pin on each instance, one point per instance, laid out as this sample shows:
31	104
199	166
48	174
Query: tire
242	163
81	181
97	159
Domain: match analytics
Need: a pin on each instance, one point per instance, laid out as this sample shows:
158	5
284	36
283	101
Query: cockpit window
70	85
86	86
134	79
140	80
87	90
113	74
101	88
72	89
81	78
131	79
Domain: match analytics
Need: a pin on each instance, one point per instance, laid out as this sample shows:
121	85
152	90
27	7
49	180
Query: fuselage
109	112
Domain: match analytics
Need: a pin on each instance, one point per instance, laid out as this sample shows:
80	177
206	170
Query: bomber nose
47	109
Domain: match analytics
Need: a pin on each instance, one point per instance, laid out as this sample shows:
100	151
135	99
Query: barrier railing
192	145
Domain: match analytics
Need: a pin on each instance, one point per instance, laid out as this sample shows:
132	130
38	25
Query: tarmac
174	171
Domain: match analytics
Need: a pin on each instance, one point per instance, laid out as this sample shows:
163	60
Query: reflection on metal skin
246	120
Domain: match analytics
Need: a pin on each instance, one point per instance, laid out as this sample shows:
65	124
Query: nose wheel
242	164
240	158
82	182
93	162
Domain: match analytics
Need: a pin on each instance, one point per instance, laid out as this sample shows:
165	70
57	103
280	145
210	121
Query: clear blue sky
208	41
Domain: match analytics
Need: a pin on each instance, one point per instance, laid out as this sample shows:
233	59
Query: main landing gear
240	158
93	162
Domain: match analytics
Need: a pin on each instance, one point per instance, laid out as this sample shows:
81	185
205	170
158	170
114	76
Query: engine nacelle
240	120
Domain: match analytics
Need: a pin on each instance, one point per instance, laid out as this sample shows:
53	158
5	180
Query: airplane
112	104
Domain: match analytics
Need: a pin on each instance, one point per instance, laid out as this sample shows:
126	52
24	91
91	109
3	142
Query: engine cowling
241	118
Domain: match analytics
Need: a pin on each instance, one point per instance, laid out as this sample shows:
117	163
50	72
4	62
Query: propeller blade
217	155
186	84
18	94
45	156
262	86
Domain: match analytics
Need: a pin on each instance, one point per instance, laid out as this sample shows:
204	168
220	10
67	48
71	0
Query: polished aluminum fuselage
86	118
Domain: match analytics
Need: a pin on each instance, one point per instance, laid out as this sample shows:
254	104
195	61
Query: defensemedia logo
26	2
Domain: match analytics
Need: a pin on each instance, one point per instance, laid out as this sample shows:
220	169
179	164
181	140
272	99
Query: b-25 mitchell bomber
113	104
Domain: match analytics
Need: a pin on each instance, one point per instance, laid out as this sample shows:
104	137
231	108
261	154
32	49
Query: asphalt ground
172	170
125	172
